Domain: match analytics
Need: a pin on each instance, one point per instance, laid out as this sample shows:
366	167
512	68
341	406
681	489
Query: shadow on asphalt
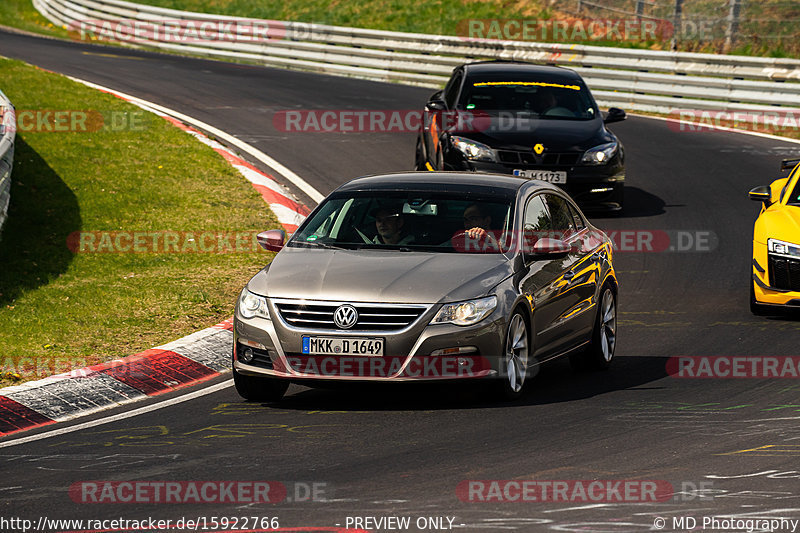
638	203
556	383
42	213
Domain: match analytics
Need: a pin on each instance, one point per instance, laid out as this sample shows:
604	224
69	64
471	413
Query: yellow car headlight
784	248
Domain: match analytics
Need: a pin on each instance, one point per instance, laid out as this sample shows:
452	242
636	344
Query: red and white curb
195	358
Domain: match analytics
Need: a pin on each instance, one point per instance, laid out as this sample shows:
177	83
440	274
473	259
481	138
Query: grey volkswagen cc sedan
428	276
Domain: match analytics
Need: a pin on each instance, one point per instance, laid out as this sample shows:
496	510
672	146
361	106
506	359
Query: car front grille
518	158
304	314
784	273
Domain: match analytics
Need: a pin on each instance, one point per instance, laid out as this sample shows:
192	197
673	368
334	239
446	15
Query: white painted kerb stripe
120	416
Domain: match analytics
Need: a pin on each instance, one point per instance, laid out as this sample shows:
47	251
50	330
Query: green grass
22	15
62	310
438	16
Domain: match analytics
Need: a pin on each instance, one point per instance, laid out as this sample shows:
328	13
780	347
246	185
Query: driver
390	223
477	221
547	104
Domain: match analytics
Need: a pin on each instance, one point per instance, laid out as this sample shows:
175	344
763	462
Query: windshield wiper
326	245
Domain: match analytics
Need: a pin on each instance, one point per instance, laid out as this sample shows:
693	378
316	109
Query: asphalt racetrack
728	447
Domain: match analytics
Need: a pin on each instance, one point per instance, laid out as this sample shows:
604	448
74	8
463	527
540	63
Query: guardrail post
677	24
733	25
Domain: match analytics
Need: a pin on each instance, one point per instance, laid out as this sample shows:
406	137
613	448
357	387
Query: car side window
563	223
576	217
451	91
536	222
536	216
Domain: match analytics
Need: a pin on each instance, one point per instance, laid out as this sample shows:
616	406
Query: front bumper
765	293
593	187
407	354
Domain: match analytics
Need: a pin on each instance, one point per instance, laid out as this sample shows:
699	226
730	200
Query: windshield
424	221
794	197
547	99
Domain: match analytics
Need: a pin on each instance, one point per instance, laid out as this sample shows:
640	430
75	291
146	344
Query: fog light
247	355
604	189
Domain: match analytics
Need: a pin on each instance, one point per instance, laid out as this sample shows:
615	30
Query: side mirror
788	164
436	105
761	194
271	240
615	114
547	247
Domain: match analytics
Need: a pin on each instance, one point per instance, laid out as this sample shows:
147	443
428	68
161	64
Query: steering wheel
486	242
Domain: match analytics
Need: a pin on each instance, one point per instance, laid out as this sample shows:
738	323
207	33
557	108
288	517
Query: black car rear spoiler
787	164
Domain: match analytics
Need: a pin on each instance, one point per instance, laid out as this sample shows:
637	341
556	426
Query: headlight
473	150
600	155
252	305
783	248
465	313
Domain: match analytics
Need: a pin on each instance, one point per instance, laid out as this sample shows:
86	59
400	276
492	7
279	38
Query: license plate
552	176
370	347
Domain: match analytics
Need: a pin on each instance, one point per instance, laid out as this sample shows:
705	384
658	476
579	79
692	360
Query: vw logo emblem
345	316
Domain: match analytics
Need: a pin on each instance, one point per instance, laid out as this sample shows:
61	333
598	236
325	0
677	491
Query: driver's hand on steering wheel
476	233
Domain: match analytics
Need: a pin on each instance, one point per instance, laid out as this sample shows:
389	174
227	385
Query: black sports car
529	120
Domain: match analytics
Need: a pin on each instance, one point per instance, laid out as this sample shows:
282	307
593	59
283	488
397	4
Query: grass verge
62	309
22	15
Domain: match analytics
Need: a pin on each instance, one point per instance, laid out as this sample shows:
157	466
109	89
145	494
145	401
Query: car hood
782	224
554	134
380	275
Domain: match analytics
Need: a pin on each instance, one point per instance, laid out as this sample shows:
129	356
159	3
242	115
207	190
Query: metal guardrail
643	80
8	132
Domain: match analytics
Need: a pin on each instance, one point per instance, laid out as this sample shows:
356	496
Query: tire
515	359
600	351
258	389
419	159
756	308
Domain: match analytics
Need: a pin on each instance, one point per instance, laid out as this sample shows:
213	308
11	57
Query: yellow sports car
776	244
